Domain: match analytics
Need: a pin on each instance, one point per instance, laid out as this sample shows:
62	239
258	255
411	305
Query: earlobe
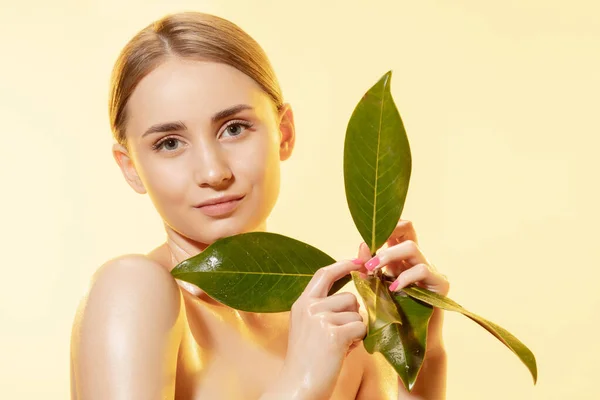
288	132
123	159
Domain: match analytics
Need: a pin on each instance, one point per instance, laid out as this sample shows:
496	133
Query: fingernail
372	263
394	285
357	261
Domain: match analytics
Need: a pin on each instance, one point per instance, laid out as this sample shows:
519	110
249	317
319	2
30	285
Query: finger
404	230
364	253
408	251
343	318
324	278
425	276
352	331
395	268
338	302
354	345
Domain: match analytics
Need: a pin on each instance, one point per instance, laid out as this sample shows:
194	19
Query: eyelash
159	145
239	122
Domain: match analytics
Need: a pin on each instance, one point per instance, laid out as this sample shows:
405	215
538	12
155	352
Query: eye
236	128
168	144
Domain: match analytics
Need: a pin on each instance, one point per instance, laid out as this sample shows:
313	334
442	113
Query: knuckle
410	244
406	225
349	297
320	272
423	269
350	300
446	283
361	327
296	306
358	329
312	308
302	305
325	272
322	320
363	330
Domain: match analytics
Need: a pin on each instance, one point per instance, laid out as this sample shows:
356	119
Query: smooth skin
141	334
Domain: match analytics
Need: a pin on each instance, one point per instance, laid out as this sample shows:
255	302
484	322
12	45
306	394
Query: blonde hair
192	35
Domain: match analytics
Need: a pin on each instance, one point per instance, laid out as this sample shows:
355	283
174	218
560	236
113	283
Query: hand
404	261
323	330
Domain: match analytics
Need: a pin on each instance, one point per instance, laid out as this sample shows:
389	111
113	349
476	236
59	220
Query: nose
211	167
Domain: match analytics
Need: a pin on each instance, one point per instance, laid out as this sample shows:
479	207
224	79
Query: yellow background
500	101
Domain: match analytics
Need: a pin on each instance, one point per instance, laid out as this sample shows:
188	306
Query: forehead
190	90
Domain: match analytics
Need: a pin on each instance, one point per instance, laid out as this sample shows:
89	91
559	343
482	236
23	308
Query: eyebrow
180	126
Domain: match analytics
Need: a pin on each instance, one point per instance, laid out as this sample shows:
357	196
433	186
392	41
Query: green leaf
397	328
510	341
256	271
377	164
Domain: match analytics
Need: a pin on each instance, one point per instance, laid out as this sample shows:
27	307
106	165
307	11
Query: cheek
258	168
268	174
165	179
259	163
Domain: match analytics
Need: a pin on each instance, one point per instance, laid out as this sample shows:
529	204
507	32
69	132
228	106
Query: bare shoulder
139	265
131	284
126	332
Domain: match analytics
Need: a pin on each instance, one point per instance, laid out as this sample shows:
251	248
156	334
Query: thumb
363	252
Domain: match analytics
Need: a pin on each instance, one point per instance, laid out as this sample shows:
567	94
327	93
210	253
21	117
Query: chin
206	230
217	229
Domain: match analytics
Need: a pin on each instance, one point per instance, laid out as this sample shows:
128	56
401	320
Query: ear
288	132
123	159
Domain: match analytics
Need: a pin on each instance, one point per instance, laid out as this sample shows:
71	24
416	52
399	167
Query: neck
180	248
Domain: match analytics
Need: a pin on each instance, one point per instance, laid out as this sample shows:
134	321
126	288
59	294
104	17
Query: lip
222	199
221	205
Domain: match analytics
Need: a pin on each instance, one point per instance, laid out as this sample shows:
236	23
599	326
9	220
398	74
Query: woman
201	127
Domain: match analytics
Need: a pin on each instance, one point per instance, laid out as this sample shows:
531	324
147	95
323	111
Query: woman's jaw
185	245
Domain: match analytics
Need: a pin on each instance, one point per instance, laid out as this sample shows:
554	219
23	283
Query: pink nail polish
357	261
394	286
372	263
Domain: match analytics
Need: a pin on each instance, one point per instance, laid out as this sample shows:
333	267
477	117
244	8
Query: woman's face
198	131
